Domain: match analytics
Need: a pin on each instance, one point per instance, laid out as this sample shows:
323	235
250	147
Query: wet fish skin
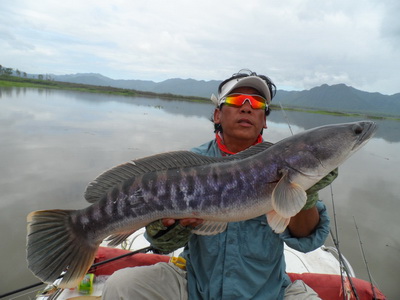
210	193
262	180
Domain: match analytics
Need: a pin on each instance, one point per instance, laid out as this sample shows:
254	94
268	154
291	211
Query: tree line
10	72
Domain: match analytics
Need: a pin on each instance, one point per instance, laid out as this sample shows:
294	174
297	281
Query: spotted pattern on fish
265	179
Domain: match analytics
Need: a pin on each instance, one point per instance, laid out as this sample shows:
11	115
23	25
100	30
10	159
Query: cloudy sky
298	43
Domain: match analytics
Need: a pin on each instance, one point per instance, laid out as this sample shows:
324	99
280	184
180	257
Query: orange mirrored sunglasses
237	100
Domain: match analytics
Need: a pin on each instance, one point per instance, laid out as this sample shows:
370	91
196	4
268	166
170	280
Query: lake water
52	143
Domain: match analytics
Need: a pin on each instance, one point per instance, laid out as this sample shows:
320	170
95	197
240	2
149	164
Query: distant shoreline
14	81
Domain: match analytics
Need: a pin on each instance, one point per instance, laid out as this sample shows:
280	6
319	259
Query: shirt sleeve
316	239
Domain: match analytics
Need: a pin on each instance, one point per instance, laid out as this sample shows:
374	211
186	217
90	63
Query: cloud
299	44
390	22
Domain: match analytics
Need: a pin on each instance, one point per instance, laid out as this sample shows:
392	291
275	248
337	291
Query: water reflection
53	142
388	129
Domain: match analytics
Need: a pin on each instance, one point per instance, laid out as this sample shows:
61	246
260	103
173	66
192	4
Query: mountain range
336	98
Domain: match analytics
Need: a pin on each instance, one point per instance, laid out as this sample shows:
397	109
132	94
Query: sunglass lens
256	101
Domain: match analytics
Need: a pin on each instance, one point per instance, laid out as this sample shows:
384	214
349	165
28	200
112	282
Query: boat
325	270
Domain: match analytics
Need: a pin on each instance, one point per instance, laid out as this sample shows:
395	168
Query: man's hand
167	235
189	222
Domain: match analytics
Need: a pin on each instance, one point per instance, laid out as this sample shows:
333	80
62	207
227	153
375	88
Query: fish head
316	152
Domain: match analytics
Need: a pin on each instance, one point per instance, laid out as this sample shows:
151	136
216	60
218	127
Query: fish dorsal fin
169	160
288	197
209	228
253	150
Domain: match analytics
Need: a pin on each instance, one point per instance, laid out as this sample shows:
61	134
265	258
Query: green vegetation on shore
14	81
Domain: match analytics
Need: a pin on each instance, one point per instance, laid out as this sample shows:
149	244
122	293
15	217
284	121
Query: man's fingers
191	222
168	222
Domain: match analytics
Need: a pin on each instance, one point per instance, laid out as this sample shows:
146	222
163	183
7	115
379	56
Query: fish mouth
365	131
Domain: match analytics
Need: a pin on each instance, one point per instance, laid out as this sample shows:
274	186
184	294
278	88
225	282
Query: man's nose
246	106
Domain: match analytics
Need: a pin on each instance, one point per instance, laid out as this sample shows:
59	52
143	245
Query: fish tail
54	247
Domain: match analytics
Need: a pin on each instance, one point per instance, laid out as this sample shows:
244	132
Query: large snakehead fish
265	179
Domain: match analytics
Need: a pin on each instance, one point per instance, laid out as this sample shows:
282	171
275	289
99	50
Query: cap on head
243	80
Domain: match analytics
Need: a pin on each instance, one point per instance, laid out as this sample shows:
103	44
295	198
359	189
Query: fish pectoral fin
209	228
288	198
277	222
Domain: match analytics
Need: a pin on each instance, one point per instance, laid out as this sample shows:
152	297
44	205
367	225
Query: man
245	261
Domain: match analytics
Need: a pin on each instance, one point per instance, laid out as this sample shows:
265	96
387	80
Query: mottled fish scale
264	179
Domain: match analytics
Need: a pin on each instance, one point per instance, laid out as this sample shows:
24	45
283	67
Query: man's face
241	122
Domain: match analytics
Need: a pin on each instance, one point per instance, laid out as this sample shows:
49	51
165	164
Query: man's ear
265	122
217	116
